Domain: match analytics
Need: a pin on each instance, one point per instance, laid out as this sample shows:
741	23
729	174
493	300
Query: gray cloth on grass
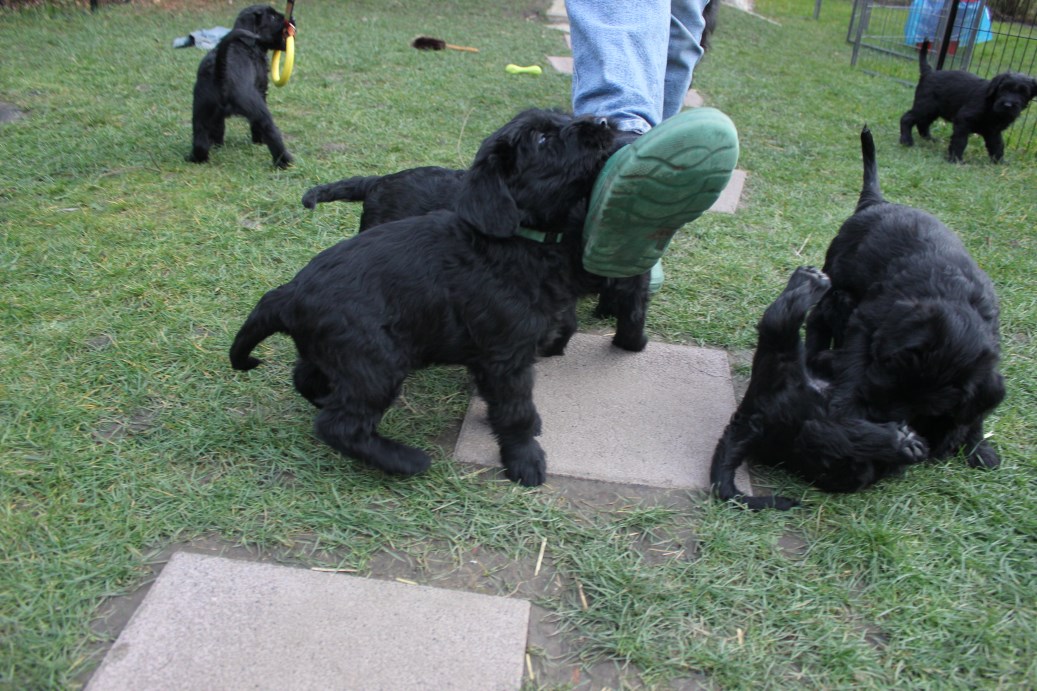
202	38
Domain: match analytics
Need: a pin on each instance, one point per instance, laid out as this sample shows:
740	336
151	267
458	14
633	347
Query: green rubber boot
655	280
651	187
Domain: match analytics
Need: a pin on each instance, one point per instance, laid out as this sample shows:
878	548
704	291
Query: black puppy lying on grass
900	363
232	80
784	419
477	286
973	105
417	191
910	328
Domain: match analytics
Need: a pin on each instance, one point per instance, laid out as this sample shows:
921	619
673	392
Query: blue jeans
633	59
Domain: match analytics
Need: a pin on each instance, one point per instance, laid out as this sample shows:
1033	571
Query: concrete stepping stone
693	99
651	418
557	11
727	202
215	623
561	64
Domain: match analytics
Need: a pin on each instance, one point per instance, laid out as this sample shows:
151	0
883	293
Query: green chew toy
515	69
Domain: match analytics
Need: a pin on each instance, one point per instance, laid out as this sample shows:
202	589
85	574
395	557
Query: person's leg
671	175
620	59
684	51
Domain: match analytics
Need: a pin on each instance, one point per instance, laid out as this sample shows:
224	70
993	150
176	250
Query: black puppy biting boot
462	286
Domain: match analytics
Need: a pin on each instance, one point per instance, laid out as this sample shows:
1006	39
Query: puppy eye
541	139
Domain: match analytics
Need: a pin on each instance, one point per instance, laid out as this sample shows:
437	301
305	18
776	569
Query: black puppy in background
784	419
410	192
466	286
232	80
417	191
973	105
909	331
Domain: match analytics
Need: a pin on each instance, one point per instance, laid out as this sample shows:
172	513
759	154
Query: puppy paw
284	160
635	342
309	200
526	466
813	278
911	447
552	348
984	456
403	460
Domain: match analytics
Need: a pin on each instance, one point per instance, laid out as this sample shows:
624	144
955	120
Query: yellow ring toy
277	76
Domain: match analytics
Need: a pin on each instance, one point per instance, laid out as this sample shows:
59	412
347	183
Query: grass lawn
126	271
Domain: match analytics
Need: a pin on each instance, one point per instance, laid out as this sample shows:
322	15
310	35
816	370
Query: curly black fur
784	418
232	80
909	330
973	105
900	361
417	191
453	287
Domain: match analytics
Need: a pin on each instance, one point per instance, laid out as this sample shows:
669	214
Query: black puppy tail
353	189
923	59
728	455
264	321
871	194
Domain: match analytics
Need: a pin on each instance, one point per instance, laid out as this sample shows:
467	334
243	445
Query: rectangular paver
650	418
562	64
215	623
728	201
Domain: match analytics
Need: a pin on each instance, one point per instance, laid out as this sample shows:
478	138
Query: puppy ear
484	201
995	86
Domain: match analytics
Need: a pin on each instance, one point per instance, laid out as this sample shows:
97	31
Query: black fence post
947	34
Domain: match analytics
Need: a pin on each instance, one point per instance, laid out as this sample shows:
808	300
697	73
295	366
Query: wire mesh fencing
985	37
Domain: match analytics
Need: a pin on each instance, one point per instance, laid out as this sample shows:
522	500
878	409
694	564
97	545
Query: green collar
539	236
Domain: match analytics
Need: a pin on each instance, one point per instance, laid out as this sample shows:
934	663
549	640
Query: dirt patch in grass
10	112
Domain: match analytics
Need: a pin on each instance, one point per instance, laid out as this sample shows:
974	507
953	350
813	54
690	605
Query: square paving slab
727	202
650	418
216	623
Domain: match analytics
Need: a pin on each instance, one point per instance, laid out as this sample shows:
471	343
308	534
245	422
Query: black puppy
784	419
232	80
909	330
970	103
477	286
410	192
417	191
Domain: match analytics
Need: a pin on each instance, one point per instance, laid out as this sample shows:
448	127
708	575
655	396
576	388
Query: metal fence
965	35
